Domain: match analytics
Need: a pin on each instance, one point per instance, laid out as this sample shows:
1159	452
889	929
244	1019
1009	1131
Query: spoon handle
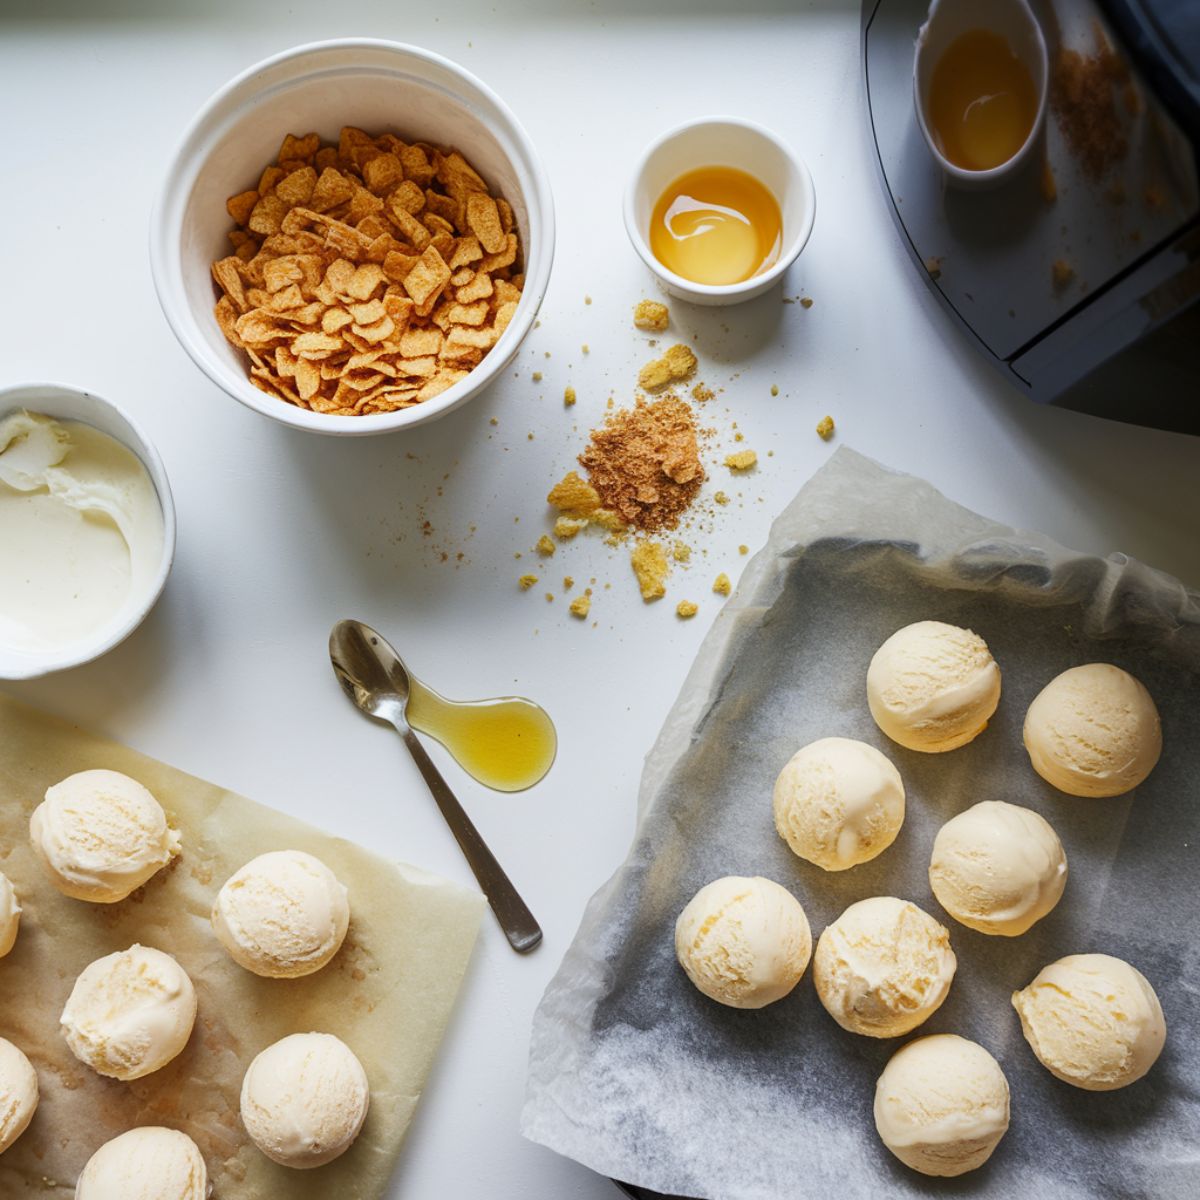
518	923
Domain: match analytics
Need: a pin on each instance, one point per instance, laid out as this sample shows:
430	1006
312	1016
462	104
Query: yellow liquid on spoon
507	744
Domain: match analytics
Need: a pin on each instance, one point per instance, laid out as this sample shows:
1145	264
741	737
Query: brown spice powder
1082	95
645	463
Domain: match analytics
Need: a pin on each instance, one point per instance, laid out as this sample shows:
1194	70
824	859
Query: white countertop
281	533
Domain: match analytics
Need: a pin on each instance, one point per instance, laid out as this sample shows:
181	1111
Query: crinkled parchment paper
636	1074
388	994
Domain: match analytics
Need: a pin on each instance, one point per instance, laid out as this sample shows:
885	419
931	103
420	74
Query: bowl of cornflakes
353	237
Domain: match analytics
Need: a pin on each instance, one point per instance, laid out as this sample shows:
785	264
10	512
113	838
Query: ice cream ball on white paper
942	1105
933	687
743	942
1093	731
838	803
147	1163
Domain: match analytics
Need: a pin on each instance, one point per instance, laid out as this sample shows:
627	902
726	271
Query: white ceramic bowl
380	87
72	404
948	20
725	142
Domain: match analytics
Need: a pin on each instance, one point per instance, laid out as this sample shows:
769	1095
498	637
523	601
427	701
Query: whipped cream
80	518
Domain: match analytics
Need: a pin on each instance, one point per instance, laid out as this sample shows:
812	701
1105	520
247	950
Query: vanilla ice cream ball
130	1013
838	803
1093	731
283	915
148	1163
18	1093
883	967
304	1099
941	1105
743	942
100	835
933	687
998	868
10	915
1093	1021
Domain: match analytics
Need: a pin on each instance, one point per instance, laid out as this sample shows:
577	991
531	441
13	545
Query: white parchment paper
637	1075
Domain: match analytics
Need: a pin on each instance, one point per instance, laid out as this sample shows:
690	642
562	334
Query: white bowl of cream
87	524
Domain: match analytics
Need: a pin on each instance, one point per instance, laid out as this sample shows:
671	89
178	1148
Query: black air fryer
1079	277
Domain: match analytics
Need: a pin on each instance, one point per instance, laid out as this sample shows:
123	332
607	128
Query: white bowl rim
1009	165
148	455
764	279
368	423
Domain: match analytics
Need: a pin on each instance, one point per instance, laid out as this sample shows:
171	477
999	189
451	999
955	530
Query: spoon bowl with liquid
980	82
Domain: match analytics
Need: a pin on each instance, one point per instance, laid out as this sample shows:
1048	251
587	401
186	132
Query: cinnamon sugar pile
1082	95
644	463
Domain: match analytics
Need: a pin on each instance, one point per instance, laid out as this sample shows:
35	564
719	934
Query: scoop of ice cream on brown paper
387	994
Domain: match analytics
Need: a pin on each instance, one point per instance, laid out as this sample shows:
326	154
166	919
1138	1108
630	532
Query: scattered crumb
585	348
743	549
549	597
537	377
686	609
568	583
825	427
526	582
806	302
574	496
544	545
677	363
568	396
721	585
681	552
649	561
1061	273
933	264
651	316
774	389
701	393
1048	182
566	528
581	606
743	460
721	498
494	421
587	299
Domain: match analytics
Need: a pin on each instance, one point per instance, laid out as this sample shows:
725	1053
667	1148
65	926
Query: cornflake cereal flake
366	277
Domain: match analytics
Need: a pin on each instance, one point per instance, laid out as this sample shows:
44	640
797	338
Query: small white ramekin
725	142
1014	21
380	87
72	404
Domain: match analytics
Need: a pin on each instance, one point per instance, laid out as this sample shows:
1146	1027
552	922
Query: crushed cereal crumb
526	582
568	396
686	609
721	585
649	561
651	316
581	606
825	427
743	460
544	545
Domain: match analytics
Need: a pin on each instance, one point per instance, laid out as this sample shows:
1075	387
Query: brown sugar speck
644	463
1081	94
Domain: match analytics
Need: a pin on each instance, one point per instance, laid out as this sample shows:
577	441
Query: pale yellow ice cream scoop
304	1099
998	868
147	1163
130	1013
933	687
100	835
1093	731
283	915
941	1105
18	1093
883	967
744	942
10	915
1093	1021
838	803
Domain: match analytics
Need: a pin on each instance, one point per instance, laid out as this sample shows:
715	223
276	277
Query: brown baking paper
388	994
636	1074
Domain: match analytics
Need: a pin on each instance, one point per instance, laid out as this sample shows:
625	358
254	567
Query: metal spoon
373	676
